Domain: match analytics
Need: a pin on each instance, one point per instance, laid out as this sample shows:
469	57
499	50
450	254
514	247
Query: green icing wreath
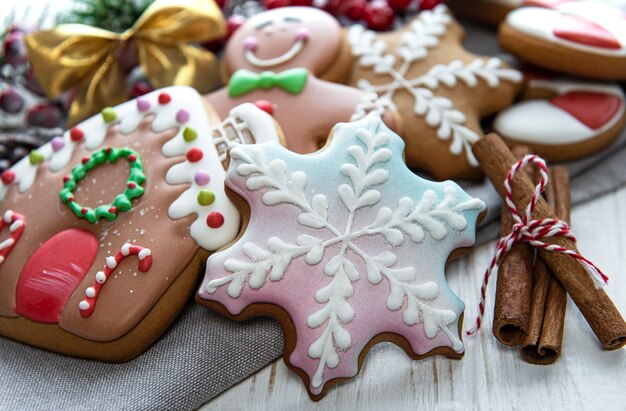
122	201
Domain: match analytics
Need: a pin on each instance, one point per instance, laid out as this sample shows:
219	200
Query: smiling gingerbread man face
285	38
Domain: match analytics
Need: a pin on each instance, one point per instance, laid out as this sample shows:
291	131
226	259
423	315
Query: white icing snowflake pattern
409	223
414	45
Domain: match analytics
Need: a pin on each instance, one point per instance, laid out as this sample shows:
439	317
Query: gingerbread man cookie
291	56
581	38
439	90
358	258
106	228
563	119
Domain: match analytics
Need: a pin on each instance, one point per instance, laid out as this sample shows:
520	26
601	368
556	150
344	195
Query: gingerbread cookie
439	90
106	227
291	56
358	258
579	38
562	119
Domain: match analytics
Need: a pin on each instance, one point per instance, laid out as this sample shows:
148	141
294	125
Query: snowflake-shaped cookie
440	90
344	246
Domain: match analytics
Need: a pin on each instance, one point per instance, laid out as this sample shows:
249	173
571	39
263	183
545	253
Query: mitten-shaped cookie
106	228
562	119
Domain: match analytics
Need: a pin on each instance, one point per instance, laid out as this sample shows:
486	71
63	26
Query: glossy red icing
52	273
580	30
590	108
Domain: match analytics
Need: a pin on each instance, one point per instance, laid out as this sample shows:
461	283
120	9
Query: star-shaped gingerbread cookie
440	90
347	248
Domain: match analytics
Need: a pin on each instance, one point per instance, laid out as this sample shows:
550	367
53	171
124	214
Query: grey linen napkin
203	354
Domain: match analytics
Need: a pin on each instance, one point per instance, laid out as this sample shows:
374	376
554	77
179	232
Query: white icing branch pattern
409	222
414	45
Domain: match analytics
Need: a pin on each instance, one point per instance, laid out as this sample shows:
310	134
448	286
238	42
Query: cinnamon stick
601	314
544	340
511	313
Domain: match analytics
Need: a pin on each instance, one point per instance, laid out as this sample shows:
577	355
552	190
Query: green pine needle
112	15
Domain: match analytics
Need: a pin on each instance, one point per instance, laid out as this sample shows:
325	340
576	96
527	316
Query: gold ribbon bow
77	55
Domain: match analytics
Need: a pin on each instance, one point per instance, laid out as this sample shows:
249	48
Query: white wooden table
490	376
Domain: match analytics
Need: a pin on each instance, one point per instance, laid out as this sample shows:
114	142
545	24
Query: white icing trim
244	117
290	54
414	45
125	250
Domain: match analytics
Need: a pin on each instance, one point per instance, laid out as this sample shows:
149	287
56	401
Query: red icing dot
83	210
107	150
164	98
85	160
8	176
194	154
113	210
215	220
76	134
66	179
132	158
70	200
265	106
132	185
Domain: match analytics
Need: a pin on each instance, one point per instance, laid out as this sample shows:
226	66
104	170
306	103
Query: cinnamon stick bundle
512	308
543	342
601	314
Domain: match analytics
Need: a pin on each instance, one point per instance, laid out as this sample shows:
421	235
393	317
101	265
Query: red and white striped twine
530	231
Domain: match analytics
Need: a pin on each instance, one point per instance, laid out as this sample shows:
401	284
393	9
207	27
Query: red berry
354	9
233	23
215	220
10	101
378	15
140	88
14	49
76	134
194	155
33	84
274	4
44	115
333	7
164	98
221	3
301	2
399	4
265	106
429	4
127	56
7	176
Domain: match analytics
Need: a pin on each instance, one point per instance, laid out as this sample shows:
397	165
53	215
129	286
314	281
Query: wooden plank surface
490	376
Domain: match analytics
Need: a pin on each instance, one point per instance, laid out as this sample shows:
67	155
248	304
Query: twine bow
532	232
78	55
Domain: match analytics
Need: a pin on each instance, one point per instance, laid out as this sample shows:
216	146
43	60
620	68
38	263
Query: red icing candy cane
530	231
144	255
17	223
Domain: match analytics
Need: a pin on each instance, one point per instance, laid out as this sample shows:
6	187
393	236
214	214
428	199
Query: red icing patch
590	108
8	176
215	220
580	30
76	134
52	273
164	98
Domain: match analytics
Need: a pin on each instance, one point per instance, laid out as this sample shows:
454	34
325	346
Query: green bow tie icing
245	81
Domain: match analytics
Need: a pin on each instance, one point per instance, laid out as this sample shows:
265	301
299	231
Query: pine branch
112	15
